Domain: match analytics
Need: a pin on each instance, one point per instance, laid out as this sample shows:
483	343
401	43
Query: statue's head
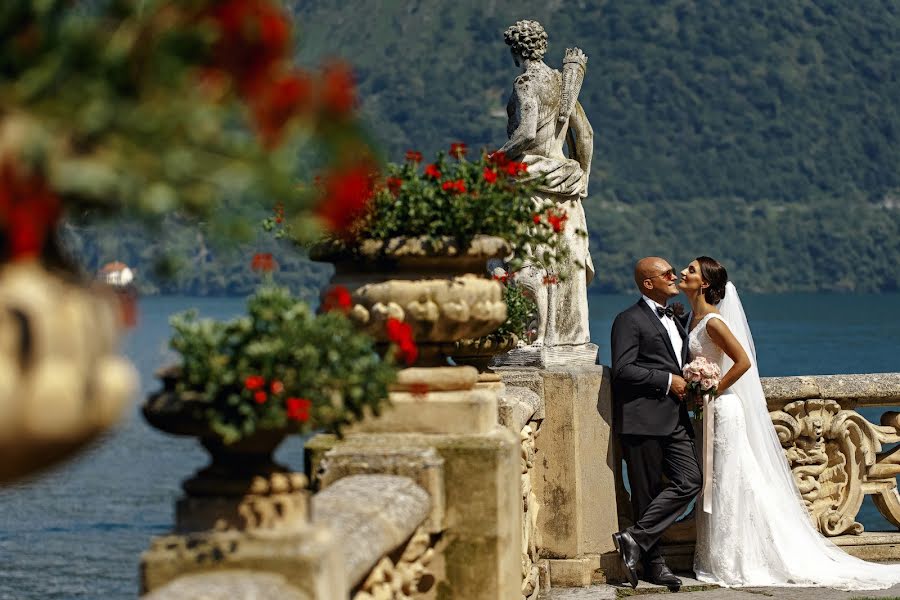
526	39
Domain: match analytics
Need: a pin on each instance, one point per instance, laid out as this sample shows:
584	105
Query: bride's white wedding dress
759	532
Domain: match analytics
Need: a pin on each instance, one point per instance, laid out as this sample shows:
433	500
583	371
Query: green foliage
294	356
520	310
457	199
763	133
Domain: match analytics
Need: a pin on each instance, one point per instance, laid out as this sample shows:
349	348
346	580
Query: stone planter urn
242	511
62	380
232	491
441	290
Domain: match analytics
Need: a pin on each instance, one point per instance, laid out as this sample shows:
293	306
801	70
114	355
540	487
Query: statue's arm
580	141
526	104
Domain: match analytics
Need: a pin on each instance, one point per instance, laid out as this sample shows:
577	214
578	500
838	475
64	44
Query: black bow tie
665	312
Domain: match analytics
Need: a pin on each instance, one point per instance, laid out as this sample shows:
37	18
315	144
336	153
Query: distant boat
120	277
116	274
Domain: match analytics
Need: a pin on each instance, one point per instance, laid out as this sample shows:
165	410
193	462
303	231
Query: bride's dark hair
716	276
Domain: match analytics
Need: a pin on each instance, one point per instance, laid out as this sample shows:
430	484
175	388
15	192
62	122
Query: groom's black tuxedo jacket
642	359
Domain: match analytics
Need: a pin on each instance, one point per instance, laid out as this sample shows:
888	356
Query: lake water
77	532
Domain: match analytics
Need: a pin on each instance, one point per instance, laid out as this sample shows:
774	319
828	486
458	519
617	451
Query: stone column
479	553
574	473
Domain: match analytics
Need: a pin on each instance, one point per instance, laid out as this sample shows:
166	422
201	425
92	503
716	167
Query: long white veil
795	550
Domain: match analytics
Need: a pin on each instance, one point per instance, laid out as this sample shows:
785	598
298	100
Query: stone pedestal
254	523
574	475
479	551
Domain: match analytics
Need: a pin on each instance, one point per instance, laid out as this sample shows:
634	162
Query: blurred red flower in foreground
345	193
254	37
432	171
263	262
337	298
338	95
29	211
414	156
298	409
282	99
400	333
490	175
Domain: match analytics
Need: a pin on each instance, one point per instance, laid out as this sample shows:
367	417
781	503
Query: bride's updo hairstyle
716	276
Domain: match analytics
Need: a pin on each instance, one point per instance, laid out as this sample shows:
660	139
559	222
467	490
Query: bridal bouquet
702	377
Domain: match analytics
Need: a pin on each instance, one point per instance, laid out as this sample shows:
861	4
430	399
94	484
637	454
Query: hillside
764	133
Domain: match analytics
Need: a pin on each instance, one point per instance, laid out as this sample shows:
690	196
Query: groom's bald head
648	267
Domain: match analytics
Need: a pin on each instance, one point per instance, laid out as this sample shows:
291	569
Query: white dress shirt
672	329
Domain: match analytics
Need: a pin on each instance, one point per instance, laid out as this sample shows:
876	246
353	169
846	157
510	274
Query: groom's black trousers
657	505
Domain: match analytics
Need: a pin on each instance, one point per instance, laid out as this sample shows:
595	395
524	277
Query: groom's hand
679	386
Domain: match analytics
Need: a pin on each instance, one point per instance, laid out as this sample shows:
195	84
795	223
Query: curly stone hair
527	38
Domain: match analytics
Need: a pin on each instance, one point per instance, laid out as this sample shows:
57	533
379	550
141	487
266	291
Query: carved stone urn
243	510
441	290
242	478
62	380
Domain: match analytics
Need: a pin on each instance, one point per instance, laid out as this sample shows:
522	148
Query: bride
759	532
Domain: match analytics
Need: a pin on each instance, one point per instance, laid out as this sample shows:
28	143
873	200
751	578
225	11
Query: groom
649	347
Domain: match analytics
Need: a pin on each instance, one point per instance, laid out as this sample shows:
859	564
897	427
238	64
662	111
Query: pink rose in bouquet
702	377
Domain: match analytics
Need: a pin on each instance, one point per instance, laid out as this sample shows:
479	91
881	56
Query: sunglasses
670	274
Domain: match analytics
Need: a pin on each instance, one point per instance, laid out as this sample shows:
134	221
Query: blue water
77	532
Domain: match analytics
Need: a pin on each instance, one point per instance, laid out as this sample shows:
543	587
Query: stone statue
544	115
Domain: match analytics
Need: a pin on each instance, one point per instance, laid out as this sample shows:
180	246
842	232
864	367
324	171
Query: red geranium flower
414	156
514	168
458	149
557	221
345	193
337	298
394	184
254	382
277	387
400	333
260	397
432	171
298	409
537	219
490	175
338	94
498	159
263	262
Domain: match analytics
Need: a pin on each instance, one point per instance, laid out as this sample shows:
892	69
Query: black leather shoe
630	553
659	574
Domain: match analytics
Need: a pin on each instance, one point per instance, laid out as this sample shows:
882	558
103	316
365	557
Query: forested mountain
764	133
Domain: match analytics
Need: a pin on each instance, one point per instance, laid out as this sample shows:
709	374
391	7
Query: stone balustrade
836	455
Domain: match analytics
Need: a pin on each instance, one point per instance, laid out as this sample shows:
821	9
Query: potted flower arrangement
417	251
243	384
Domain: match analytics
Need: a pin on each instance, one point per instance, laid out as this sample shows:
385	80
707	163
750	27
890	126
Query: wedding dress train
759	532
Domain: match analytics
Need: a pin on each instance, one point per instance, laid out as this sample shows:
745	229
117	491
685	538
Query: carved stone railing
378	522
521	411
836	455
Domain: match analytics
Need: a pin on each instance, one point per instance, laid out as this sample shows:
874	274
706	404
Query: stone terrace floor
695	590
